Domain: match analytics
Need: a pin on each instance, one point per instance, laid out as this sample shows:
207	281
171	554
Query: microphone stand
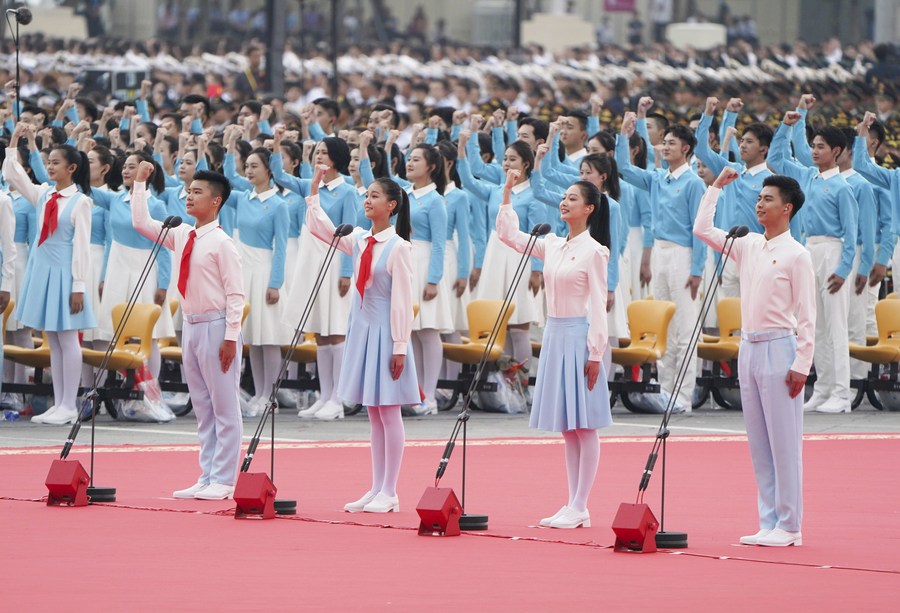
678	540
17	105
471	521
92	397
289	507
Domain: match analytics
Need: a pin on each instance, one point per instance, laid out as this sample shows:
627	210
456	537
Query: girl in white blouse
571	395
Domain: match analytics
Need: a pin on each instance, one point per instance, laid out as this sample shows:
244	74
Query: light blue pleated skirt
561	398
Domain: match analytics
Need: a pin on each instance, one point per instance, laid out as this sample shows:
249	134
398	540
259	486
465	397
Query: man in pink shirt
778	321
210	283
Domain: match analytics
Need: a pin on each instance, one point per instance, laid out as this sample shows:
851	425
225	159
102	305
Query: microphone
167	221
540	229
23	15
741	231
174	221
343	230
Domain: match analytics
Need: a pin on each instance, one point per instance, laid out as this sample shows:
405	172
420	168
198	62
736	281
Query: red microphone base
67	484
254	496
439	512
635	527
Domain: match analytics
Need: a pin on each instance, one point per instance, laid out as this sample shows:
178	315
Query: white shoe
570	518
814	402
331	410
215	491
753	539
11	401
429	407
382	503
780	538
549	520
357	506
62	416
834	405
39	419
190	492
311	411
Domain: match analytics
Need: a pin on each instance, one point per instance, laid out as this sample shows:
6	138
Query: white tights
265	362
328	367
429	354
520	343
582	459
65	367
387	439
12	372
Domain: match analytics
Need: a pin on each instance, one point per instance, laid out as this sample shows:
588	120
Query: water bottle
10	415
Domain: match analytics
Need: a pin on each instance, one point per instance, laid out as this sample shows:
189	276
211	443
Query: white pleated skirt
291	257
497	273
264	325
458	317
434	313
12	323
98	252
330	311
121	279
617	318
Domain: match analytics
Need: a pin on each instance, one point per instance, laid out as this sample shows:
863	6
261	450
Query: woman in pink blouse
571	395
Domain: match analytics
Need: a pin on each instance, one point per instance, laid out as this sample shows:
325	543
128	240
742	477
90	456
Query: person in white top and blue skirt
570	394
378	369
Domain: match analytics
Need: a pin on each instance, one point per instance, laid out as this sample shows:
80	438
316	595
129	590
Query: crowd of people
459	156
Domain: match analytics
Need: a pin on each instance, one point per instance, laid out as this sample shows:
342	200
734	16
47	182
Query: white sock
66	368
337	359
272	362
258	369
587	466
451	369
573	457
521	345
376	439
325	372
394	438
56	368
432	353
155	364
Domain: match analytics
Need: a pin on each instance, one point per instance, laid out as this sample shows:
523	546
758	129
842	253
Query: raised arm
140	209
875	174
476	186
508	222
318	221
704	227
779	158
639	177
712	160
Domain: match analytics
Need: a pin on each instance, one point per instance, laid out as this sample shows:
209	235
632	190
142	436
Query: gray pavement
289	428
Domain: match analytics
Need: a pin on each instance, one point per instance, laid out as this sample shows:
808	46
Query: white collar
69	191
418	193
183	193
521	187
333	184
831	172
361	190
382	236
848	173
127	197
451	186
264	195
755	170
204	230
574	157
676	174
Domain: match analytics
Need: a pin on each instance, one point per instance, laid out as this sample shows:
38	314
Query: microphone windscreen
24	16
176	221
167	221
343	230
540	229
731	232
741	231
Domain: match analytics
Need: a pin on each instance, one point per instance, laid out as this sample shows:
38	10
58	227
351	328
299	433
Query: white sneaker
429	407
358	505
62	416
780	538
331	410
549	520
834	405
311	411
753	539
814	402
215	491
11	401
190	492
382	503
570	518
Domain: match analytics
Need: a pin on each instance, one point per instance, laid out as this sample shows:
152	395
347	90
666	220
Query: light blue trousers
774	424
214	395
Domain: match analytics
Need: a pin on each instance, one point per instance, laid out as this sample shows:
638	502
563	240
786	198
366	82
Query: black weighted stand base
672	540
101	494
473	522
285	507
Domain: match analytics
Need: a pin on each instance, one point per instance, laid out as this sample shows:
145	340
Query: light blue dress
44	300
366	367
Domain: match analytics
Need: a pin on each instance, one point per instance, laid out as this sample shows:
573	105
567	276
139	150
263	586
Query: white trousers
857	312
214	395
635	251
671	269
774	423
832	352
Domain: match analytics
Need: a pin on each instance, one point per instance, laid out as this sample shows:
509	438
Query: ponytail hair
82	175
433	158
339	152
598	221
393	191
640	157
113	177
450	154
293	151
605	165
157	181
523	150
378	161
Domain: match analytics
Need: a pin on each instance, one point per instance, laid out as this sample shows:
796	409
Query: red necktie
186	263
51	212
365	268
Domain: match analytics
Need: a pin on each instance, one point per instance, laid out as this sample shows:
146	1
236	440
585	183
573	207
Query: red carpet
148	552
